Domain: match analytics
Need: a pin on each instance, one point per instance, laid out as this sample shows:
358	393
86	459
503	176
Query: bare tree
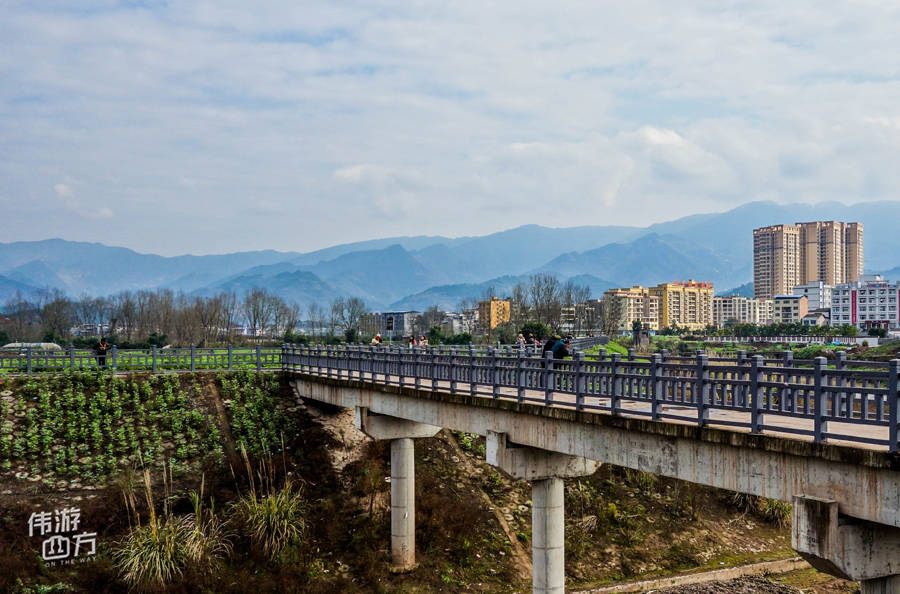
57	314
316	318
21	315
612	314
546	299
257	310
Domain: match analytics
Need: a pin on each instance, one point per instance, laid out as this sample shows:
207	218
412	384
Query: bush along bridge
820	436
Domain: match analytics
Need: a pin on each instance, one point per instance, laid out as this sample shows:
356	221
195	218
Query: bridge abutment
401	433
846	547
545	470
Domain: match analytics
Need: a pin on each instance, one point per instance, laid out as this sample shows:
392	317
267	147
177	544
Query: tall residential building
492	313
687	304
743	310
785	256
871	302
638	305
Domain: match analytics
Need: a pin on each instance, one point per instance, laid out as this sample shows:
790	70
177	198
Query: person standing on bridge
101	350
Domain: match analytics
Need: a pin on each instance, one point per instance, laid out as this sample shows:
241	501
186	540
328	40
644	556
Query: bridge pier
845	547
545	470
401	433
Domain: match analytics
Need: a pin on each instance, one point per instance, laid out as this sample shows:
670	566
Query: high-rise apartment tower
785	256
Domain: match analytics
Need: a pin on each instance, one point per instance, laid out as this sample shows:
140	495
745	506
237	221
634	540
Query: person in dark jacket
548	346
101	349
561	349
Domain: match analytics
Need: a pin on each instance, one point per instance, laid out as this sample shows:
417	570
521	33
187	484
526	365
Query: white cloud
369	119
63	190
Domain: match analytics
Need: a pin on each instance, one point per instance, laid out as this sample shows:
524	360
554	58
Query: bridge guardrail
30	360
855	401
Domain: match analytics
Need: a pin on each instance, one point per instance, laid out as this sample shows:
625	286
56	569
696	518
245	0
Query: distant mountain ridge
416	272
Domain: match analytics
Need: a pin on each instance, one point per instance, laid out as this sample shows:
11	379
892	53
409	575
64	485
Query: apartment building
870	302
742	310
790	309
392	325
638	305
492	313
817	293
786	256
687	304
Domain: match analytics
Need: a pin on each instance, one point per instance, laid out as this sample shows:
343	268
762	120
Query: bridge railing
851	401
30	360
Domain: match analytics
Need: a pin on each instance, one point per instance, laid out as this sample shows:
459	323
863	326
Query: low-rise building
741	310
790	309
392	325
492	313
817	293
871	302
816	317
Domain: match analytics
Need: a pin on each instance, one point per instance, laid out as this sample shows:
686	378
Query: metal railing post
893	405
841	397
115	358
520	377
28	362
230	360
755	393
71	358
580	387
549	378
473	372
631	354
614	398
193	357
153	359
653	379
820	422
492	370
701	389
258	359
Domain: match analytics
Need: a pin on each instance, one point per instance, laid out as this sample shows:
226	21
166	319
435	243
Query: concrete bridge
823	438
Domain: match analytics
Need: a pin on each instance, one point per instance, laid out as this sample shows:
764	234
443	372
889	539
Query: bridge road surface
686	415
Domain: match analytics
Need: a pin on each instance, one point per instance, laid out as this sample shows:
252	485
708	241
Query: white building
817	293
871	302
743	310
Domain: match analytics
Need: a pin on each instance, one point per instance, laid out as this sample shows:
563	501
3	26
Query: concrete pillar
846	547
403	503
401	433
548	533
545	470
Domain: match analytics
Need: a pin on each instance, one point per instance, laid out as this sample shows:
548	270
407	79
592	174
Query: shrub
270	517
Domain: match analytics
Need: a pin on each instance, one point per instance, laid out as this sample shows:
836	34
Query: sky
211	127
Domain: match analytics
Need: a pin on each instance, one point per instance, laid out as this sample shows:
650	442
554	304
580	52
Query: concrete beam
381	427
845	547
530	464
865	482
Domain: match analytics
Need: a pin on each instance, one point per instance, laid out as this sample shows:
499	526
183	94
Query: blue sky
209	127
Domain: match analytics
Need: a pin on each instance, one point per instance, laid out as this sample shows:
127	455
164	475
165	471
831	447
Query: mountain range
420	271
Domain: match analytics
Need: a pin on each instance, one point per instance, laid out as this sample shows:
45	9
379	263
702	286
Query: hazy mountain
714	247
745	290
100	270
36	274
300	286
330	253
448	297
9	288
645	261
515	251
